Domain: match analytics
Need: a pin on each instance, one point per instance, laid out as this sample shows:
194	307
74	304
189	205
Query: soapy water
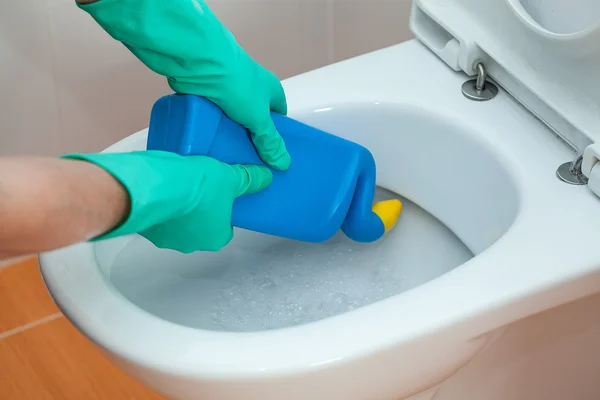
259	282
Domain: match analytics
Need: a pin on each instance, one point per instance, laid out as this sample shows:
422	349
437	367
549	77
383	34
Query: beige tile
363	26
53	361
103	92
23	296
28	111
287	37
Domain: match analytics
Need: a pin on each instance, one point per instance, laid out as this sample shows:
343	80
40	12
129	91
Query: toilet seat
535	239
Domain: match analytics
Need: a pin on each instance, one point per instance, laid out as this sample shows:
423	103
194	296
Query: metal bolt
479	89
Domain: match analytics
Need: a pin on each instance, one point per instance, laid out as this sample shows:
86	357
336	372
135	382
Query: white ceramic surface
486	170
549	67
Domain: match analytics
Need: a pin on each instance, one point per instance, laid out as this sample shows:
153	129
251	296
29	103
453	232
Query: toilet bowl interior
435	160
466	201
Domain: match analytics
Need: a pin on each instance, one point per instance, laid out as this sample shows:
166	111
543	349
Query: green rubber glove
184	41
179	203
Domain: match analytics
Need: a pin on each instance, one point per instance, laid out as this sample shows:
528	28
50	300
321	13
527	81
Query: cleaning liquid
329	186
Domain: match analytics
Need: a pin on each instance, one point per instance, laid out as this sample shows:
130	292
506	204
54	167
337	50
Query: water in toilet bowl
260	282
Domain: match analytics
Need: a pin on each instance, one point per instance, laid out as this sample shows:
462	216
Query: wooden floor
42	357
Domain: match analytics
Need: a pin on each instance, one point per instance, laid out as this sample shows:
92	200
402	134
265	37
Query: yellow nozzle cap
389	212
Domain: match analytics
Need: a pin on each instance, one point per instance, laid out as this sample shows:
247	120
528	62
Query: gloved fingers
219	239
192	232
278	101
269	144
251	178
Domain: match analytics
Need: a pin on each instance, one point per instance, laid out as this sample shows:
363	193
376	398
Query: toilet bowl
489	236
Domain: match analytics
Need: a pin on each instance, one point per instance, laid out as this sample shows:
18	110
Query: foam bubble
260	282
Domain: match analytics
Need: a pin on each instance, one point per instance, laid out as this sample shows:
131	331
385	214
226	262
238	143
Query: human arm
176	202
185	42
48	203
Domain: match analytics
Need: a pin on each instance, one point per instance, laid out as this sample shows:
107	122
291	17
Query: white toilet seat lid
546	53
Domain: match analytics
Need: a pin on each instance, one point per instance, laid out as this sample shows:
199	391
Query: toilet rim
476	291
463	295
107	318
114	323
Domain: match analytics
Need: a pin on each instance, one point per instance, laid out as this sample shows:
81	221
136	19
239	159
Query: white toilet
493	230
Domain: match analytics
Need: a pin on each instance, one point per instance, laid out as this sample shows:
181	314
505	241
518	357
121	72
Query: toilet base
554	355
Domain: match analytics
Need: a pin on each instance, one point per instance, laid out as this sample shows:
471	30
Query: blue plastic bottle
329	185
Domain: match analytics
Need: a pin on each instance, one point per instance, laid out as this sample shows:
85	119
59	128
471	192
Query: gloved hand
183	40
180	203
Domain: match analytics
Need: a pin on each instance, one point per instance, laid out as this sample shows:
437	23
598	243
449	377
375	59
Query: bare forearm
48	203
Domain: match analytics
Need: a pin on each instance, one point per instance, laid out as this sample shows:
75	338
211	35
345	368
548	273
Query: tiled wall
67	86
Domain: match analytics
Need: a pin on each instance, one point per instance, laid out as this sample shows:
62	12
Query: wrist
156	186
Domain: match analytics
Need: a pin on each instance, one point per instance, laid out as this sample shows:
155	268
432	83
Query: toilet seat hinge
479	88
571	172
584	170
